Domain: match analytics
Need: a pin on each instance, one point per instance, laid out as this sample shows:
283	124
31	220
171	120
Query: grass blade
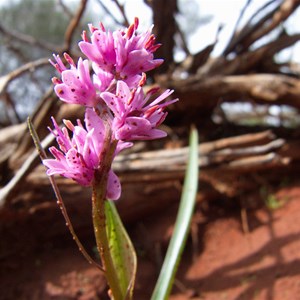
187	203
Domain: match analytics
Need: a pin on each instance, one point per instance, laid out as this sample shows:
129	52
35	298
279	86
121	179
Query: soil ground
227	257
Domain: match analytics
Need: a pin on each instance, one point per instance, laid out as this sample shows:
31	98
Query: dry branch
253	151
261	88
278	16
66	10
26	39
170	160
74	22
152	180
165	29
28	67
30	163
254	30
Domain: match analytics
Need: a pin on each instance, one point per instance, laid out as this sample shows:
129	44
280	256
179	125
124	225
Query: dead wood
263	24
74	22
152	180
235	155
204	95
165	29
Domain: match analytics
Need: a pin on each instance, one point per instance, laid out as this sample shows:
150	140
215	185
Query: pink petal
122	145
93	121
116	102
91	52
79	137
134	126
90	155
113	186
54	166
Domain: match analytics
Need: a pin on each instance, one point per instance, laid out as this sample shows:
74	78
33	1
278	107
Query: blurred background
234	65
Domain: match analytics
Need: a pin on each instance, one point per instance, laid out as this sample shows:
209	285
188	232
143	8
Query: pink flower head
136	117
124	53
75	85
112	94
78	157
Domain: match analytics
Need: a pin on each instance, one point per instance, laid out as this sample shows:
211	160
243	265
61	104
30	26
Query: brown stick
73	25
262	88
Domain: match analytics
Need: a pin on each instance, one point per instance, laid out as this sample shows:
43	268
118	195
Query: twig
248	61
249	163
65	9
244	219
231	43
185	47
250	27
280	15
121	8
27	39
7	191
109	12
29	67
73	25
262	88
9	102
174	159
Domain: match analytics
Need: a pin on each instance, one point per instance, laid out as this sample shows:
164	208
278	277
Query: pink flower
113	94
75	85
102	79
101	49
78	157
136	116
123	53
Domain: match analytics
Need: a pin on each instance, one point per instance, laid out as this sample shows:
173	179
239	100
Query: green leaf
121	250
187	203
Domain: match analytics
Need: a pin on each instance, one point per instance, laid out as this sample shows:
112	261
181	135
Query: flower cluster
109	83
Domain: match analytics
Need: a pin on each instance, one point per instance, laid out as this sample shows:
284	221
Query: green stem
99	217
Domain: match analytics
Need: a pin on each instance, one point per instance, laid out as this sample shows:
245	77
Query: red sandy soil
221	260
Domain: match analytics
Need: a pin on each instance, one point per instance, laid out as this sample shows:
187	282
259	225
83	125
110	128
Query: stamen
136	23
143	79
85	37
69	59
